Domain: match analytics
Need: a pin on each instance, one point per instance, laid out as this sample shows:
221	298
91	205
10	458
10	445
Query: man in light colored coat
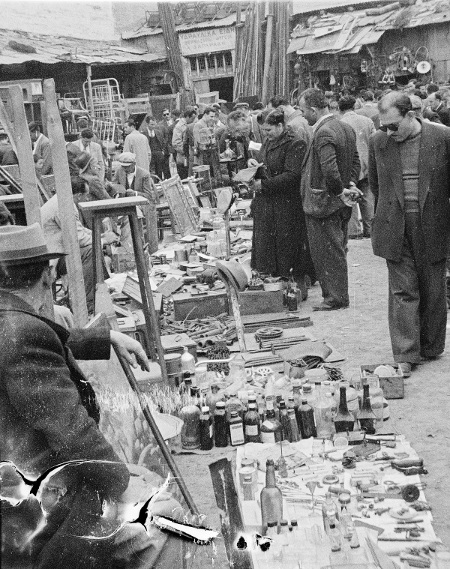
364	128
137	143
86	144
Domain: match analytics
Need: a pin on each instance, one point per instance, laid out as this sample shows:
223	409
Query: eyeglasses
166	115
393	126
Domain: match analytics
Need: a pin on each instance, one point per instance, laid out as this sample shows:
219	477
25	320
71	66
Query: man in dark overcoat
409	174
328	183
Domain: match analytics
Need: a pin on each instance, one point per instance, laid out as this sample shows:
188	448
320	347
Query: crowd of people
326	167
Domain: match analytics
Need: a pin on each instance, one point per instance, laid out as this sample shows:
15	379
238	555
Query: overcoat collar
11	302
427	158
286	137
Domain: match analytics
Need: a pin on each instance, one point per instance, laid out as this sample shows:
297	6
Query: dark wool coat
279	233
48	412
386	183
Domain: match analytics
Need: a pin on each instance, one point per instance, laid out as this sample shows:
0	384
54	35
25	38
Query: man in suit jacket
409	175
369	108
135	180
41	150
328	191
137	143
86	144
159	146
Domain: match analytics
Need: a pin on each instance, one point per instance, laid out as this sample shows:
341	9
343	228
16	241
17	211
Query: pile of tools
205	331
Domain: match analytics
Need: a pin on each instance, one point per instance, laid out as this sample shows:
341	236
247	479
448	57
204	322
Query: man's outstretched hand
130	349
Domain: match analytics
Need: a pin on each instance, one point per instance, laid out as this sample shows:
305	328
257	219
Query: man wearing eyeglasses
409	174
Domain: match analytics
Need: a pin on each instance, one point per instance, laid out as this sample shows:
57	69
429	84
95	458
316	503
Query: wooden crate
393	387
260	302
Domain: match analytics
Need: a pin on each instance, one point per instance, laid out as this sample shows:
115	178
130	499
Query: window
201	63
212	62
193	62
228	58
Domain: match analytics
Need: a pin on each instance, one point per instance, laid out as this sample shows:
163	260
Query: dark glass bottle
344	421
206	430
366	416
295	436
270	427
284	420
220	425
307	424
252	425
271	498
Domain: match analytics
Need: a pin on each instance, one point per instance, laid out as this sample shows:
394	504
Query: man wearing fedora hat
49	415
41	149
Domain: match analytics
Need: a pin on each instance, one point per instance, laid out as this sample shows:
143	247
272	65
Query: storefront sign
207	41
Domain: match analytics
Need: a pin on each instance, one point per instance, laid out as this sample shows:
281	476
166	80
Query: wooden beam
7	126
66	205
25	157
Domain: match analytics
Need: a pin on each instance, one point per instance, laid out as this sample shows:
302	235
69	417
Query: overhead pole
174	56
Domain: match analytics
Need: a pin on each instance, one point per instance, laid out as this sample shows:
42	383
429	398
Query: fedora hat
82	161
234	273
21	244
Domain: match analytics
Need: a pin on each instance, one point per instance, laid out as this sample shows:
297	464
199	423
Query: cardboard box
393	387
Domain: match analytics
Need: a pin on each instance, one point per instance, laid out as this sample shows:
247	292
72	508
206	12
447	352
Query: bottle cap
304	401
220	405
291	398
269	462
234	414
344	498
282	404
205	409
271	524
296	383
294	523
252	406
307	388
283	523
248	477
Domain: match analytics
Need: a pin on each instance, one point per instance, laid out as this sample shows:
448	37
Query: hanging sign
207	41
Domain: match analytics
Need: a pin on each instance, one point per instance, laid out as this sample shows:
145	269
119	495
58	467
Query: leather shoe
406	368
323	306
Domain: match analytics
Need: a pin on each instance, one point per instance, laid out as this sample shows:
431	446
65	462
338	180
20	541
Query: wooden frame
181	203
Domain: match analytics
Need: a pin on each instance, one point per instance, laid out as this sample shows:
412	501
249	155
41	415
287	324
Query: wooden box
393	387
189	307
175	343
260	301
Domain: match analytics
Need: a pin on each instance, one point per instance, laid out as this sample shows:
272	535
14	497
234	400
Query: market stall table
384	523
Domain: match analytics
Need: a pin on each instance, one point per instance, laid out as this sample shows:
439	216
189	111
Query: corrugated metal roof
55	49
365	29
219	23
306	6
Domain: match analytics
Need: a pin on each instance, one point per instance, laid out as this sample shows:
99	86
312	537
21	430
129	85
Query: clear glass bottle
322	416
190	431
307	424
376	399
271	498
252	425
308	394
193	256
187	361
329	508
334	533
234	404
344	420
237	369
345	518
270	427
366	416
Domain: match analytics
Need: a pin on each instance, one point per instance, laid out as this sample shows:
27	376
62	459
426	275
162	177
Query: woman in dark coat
279	232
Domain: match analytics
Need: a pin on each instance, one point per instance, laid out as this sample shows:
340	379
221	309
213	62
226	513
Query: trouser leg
433	308
166	167
366	206
328	242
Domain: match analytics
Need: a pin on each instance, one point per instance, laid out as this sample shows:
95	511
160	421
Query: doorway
224	86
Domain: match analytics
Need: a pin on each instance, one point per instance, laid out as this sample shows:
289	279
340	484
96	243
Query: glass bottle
284	420
344	420
345	518
270	427
252	425
297	369
234	404
212	397
322	416
236	428
206	429
307	424
187	361
237	369
220	425
366	416
193	256
248	488
329	508
308	393
376	399
271	498
294	431
190	431
334	533
297	395
352	398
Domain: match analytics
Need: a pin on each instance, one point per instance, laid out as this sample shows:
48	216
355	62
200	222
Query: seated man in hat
49	415
87	144
41	150
134	181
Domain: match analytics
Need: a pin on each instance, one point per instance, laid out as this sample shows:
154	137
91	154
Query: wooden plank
65	204
25	157
7	126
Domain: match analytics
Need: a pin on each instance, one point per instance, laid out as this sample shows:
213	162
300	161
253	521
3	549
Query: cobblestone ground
361	334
